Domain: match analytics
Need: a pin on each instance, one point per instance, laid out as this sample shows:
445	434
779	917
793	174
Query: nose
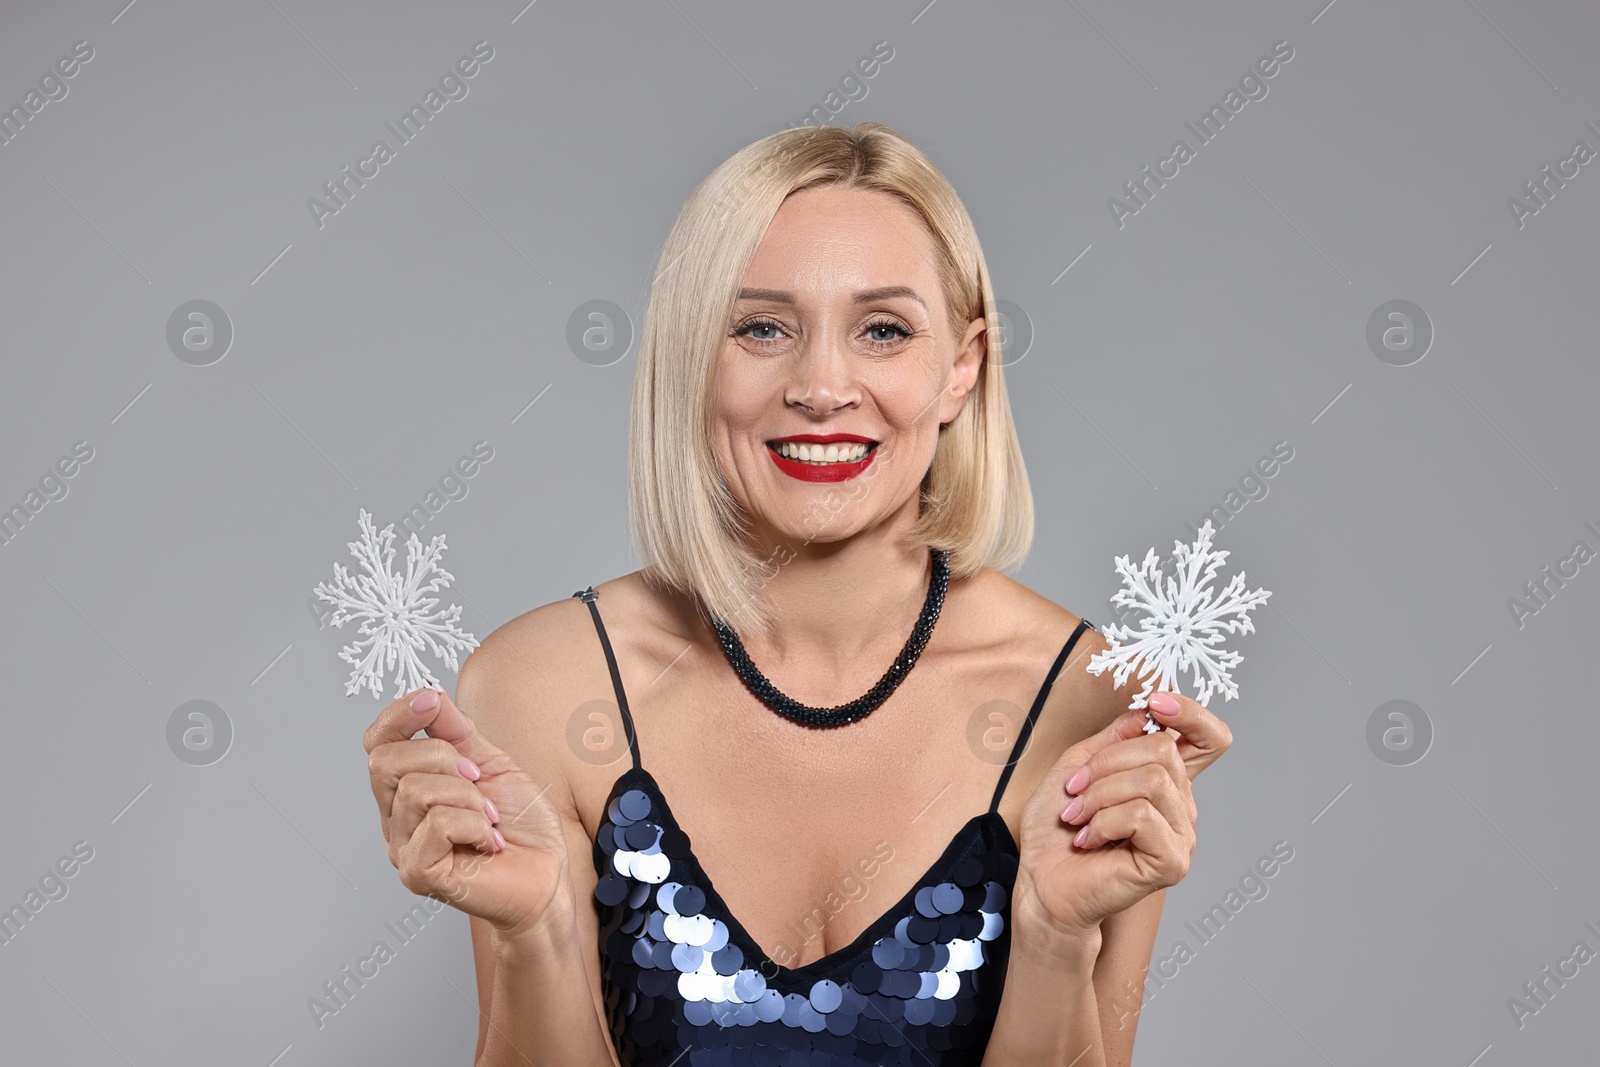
822	378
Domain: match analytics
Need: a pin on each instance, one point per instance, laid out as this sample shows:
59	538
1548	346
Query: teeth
849	453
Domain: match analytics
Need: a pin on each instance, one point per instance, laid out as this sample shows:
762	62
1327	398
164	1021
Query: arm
1085	917
1076	1003
539	992
1130	938
1050	1012
537	1007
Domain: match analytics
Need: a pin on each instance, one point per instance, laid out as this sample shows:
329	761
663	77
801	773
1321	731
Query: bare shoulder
522	681
1079	703
998	595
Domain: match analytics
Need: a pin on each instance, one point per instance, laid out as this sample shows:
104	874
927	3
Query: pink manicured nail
1079	779
426	700
468	769
1071	814
1163	704
1082	836
499	841
490	810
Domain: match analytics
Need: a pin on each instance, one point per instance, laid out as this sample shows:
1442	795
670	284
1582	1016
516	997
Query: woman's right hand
464	823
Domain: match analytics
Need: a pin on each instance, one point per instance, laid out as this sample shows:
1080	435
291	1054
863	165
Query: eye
901	332
749	329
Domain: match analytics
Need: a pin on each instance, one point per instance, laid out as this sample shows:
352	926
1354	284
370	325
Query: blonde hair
975	500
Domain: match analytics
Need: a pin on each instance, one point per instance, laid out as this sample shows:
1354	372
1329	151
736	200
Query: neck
839	609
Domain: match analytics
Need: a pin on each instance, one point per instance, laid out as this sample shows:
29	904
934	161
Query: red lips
821	472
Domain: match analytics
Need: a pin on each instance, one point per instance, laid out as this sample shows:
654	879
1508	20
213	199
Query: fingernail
499	841
426	700
1164	704
1071	814
468	769
1079	779
490	810
1082	836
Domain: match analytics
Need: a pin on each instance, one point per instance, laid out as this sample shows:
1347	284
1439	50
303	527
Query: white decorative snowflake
396	616
1183	624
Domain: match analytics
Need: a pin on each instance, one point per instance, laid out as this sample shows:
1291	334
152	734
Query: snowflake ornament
1182	627
397	617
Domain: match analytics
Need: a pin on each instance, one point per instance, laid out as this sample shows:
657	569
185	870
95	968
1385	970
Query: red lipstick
821	472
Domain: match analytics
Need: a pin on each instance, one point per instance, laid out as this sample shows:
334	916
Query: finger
399	721
443	719
427	858
1203	737
1160	852
1149	781
1125	727
390	762
1157	748
420	792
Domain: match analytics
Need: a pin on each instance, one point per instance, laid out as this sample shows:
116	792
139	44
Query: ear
970	354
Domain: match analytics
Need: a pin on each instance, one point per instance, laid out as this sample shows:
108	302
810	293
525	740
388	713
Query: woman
756	855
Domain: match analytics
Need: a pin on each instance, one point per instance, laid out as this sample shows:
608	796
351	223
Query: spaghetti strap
589	596
1033	713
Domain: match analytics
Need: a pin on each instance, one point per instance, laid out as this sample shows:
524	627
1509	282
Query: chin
793	529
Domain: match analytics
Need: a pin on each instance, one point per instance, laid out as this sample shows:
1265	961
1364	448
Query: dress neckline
988	827
883	925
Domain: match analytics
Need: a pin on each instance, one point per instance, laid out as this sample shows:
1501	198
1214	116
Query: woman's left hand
1114	819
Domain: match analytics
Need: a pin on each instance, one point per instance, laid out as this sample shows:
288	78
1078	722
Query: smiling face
838	369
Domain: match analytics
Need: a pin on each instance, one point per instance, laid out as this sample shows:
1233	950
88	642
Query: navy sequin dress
919	986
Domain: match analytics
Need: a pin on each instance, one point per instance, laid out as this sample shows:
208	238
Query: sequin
947	897
887	953
634	804
682	975
685	984
749	985
611	890
691	901
825	995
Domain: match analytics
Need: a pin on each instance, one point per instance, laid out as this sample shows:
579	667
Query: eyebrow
865	296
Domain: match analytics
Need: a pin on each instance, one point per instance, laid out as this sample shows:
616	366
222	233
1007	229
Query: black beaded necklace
868	702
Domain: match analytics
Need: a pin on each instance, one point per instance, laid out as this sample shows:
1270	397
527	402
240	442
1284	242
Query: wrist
537	938
535	942
1047	938
1057	948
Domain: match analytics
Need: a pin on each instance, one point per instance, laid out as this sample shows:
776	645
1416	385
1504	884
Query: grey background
1230	313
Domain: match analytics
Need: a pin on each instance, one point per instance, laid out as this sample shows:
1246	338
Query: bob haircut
975	501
